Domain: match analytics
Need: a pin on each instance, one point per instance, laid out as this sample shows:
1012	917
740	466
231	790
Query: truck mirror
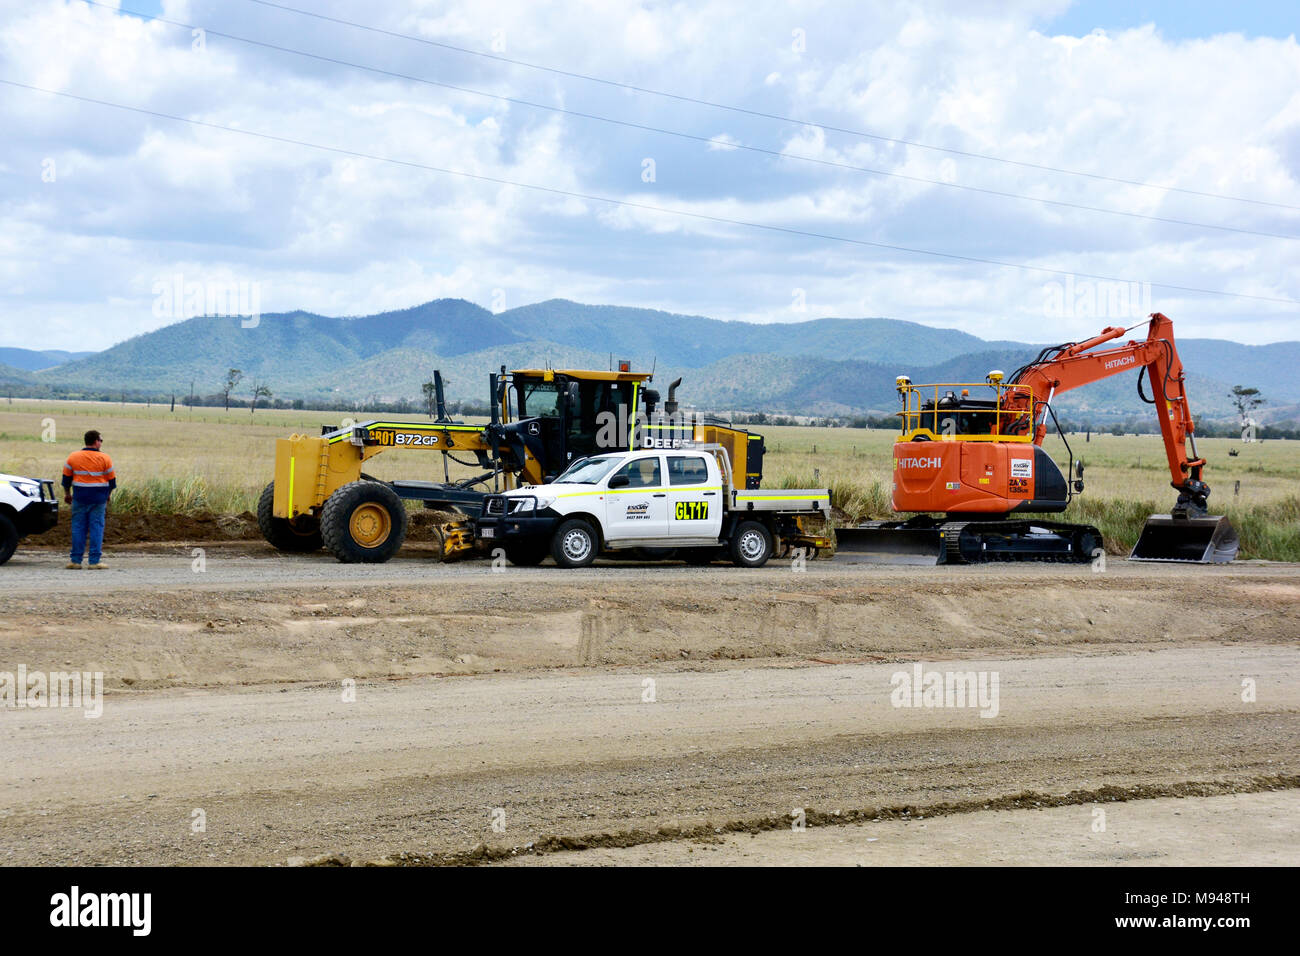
620	481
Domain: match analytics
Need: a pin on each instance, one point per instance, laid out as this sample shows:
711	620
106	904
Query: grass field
206	460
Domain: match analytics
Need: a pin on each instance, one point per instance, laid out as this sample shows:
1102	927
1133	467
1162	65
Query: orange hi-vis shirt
90	475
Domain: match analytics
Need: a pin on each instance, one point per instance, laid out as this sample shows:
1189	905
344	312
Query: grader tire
364	522
299	535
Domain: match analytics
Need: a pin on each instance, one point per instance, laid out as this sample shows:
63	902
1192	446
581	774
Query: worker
88	481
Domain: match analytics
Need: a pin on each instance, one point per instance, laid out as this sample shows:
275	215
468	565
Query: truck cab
681	499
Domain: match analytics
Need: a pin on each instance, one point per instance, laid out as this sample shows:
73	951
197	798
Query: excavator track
980	542
929	541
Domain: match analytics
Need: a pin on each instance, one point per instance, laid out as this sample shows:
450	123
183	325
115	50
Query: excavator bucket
1208	540
888	543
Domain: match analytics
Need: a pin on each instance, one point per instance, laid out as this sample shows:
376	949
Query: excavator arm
1157	360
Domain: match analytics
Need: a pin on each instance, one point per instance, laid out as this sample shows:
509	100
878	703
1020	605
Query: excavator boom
1156	359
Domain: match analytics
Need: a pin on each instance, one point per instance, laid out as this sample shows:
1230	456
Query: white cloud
135	197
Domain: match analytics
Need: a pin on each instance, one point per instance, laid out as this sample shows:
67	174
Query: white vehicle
27	506
680	499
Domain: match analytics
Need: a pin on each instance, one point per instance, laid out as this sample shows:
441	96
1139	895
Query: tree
1246	400
430	396
260	390
233	378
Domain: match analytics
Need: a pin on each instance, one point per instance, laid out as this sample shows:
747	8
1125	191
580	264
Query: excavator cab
952	414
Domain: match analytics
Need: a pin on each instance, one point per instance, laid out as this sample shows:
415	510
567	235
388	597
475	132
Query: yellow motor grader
542	420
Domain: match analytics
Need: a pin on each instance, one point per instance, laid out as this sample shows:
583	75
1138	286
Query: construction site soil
420	712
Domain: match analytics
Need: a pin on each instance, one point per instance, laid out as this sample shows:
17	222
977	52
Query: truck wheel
699	556
575	544
8	539
300	534
528	555
751	545
363	522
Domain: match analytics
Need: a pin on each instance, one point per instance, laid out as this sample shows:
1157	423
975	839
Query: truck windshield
588	471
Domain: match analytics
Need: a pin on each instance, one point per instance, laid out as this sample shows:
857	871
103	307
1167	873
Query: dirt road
624	705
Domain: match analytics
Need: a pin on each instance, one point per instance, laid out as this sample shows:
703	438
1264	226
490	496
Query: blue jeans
87	522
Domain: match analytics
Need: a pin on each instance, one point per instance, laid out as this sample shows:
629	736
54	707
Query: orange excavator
973	472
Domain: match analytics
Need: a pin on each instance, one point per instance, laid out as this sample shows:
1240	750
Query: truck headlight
31	489
545	502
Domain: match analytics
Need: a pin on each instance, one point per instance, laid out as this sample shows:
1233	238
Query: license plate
489	532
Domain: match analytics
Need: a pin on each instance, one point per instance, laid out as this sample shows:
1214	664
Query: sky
924	161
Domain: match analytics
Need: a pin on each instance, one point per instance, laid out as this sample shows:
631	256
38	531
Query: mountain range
30	360
827	366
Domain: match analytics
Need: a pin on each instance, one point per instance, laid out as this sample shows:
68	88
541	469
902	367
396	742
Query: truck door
694	497
638	509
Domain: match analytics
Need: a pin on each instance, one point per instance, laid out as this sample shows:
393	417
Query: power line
763	115
638	205
703	139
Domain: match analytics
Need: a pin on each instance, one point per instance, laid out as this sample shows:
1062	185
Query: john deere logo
534	428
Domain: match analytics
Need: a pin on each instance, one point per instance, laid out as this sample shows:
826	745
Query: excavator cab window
951	415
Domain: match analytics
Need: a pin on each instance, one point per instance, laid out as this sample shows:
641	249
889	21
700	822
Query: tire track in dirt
1025	800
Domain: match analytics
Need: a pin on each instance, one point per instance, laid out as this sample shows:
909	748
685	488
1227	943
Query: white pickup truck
27	506
682	500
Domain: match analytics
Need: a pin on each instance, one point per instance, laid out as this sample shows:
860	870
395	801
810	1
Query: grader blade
889	542
1208	540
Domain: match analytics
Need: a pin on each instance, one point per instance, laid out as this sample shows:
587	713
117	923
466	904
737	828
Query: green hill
826	366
